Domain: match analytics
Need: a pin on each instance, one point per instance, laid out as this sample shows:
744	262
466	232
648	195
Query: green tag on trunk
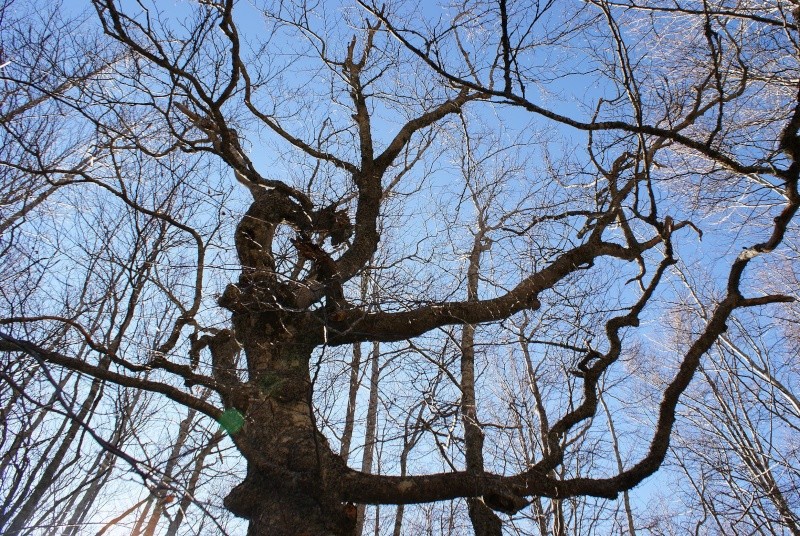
231	420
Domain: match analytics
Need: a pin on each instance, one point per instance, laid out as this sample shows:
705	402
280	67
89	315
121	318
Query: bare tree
250	165
734	451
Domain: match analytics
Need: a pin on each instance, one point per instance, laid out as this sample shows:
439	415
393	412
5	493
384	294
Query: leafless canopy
541	218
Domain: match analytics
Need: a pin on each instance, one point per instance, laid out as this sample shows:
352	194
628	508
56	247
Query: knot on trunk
289	503
505	502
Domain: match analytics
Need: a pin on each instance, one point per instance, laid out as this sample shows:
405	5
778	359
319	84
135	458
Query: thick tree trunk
291	486
284	508
291	501
288	490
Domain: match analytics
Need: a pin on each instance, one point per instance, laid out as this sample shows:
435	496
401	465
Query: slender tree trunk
9	505
106	461
137	527
618	455
398	520
191	487
166	481
355	383
51	470
350	416
742	435
484	520
114	521
556	505
105	465
371	430
401	508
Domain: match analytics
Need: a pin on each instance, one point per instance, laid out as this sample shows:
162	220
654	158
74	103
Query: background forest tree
344	268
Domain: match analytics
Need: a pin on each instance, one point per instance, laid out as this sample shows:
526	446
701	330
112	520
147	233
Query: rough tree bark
289	487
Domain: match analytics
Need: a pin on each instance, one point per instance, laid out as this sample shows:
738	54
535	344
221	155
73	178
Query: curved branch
355	326
508	97
12	344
